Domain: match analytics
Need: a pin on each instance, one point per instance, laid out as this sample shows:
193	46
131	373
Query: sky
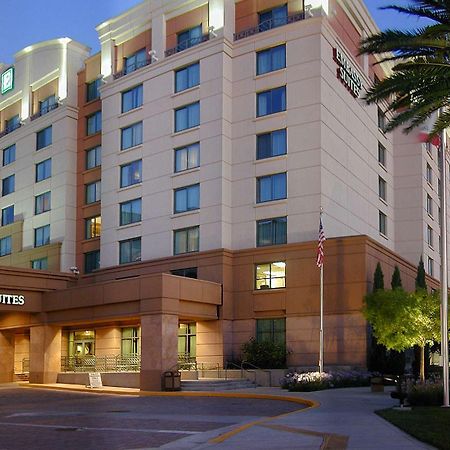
25	22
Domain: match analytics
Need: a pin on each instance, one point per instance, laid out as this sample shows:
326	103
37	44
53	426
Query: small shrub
426	394
266	354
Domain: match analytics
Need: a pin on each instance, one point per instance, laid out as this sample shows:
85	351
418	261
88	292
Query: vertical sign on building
7	81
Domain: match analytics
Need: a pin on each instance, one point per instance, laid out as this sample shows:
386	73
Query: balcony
132	68
44	110
107	363
184	45
269	25
10	129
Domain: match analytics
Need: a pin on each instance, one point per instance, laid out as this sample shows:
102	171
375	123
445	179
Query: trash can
171	380
377	384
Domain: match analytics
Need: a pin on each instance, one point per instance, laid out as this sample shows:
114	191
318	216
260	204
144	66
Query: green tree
378	278
396	281
420	278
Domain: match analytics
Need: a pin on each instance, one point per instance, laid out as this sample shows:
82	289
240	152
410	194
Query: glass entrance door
82	343
187	343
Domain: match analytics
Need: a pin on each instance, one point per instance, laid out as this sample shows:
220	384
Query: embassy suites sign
346	72
12	299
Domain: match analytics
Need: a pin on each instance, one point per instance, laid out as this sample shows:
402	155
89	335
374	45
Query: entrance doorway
187	345
82	343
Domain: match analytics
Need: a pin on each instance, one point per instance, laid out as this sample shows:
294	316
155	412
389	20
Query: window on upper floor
91	261
9	155
271	59
42	203
381	154
8	185
429	174
13	123
5	246
271	231
132	99
44	138
430	264
270	275
130	250
271	187
7	215
94	123
187	117
93	227
135	61
93	157
272	18
47	105
271	101
186	240
189	38
271	144
42	236
381	120
382	223
39	264
131	173
188	272
429	236
439	187
187	198
43	170
130	211
187	157
131	136
187	77
429	205
93	90
271	330
382	188
93	192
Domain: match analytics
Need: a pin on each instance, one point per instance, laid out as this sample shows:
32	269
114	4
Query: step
21	376
215	385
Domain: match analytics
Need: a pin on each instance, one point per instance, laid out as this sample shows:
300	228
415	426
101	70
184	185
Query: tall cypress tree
396	281
378	278
420	278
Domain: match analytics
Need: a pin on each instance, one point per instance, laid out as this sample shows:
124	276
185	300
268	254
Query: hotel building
161	198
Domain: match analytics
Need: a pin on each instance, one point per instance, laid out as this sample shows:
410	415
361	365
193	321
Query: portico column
6	357
159	348
45	354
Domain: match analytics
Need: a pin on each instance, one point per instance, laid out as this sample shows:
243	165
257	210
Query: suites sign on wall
7	81
347	73
12	299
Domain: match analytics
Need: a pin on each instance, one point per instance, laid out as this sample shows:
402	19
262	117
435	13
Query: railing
186	362
269	25
108	363
132	68
44	110
188	43
10	129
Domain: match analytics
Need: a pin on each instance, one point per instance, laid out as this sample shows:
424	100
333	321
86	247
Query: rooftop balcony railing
269	25
188	43
107	363
10	129
44	110
132	68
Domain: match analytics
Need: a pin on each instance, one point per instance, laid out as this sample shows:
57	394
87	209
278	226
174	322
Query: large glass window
186	240
131	341
91	261
131	136
271	187
272	18
271	231
5	246
92	90
271	59
8	185
94	123
43	170
130	250
82	343
271	144
271	101
271	330
187	344
187	77
7	215
44	138
9	154
93	157
42	203
131	211
187	198
135	61
131	173
187	117
39	264
42	236
93	227
188	272
13	123
47	105
382	223
93	192
189	38
132	98
187	157
270	275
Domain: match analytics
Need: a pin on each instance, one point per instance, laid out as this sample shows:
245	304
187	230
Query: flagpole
321	297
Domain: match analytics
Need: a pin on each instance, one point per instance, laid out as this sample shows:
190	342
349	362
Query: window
271	231
93	192
429	205
439	188
273	18
189	38
92	90
94	123
132	98
42	236
7	215
131	173
271	101
187	117
187	198
130	341
93	227
131	211
271	144
271	330
271	59
188	272
9	154
430	264
135	61
271	187
186	240
429	148
381	120
8	185
5	246
187	157
91	261
430	236
382	223
42	203
93	157
130	250
47	105
12	124
39	264
44	138
43	170
429	174
131	136
187	77
382	188
270	275
382	154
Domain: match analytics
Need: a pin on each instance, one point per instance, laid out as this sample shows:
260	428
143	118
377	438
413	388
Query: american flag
319	261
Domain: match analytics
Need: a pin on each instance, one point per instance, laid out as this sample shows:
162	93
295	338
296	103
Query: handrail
132	68
10	129
44	110
184	45
266	371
